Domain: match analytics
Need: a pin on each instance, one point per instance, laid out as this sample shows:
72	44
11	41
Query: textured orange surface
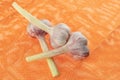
98	20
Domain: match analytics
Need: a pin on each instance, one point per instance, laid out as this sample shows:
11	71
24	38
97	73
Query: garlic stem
31	18
50	61
47	54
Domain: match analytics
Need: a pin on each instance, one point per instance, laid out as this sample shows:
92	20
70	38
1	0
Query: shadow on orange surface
97	20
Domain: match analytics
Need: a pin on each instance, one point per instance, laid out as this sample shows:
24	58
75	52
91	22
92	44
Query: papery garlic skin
60	35
34	31
77	45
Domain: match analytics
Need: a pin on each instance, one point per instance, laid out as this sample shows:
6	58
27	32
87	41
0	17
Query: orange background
98	20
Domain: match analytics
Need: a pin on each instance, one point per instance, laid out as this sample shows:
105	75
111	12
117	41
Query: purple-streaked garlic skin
34	31
60	35
77	46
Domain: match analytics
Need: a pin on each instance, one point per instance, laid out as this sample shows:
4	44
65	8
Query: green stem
47	54
31	18
50	61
